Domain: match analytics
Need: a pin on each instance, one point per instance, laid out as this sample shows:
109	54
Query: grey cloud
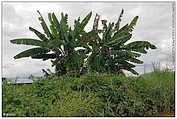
10	15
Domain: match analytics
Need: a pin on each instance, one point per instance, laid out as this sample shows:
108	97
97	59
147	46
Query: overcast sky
154	25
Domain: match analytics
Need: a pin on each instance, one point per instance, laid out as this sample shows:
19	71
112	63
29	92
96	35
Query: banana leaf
28	41
31	52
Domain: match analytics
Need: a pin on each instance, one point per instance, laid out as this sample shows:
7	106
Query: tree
110	52
58	43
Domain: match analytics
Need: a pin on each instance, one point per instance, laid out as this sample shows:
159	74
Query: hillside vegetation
92	95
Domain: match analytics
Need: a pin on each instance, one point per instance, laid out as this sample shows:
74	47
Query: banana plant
58	43
69	49
110	52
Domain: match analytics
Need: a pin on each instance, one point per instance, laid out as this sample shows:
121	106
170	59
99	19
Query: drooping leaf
127	66
31	52
133	71
134	60
124	64
28	41
121	53
139	46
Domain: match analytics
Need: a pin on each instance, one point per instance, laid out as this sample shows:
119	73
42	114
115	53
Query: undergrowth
92	95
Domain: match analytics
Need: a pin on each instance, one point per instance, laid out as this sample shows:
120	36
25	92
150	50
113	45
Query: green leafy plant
59	42
70	48
110	52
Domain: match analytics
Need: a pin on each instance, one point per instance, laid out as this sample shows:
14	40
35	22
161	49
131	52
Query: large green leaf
120	40
28	41
31	52
139	46
125	53
121	32
125	28
40	35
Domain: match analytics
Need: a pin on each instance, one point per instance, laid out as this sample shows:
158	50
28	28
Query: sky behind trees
154	25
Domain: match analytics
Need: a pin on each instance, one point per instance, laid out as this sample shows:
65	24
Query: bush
92	95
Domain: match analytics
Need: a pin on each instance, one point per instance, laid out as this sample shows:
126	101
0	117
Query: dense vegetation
92	95
76	51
